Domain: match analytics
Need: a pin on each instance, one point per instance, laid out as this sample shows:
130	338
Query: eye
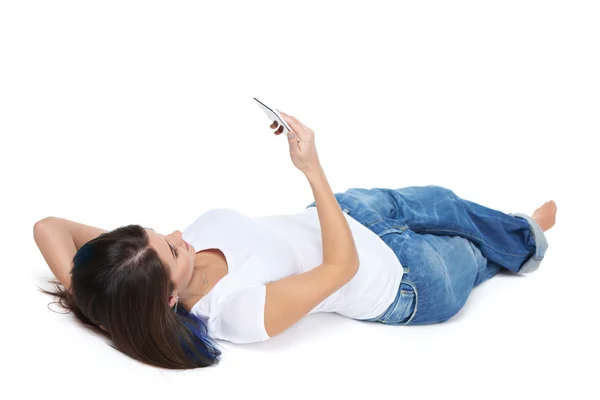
175	250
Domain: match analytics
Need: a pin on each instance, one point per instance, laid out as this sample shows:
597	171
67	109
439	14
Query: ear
172	300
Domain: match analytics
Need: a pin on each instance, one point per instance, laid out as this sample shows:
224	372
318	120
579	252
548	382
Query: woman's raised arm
58	240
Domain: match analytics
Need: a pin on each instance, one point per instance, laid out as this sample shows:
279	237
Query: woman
163	299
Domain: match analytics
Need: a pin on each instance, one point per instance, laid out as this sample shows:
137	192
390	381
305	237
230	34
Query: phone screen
274	115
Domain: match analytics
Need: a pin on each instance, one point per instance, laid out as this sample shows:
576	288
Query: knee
440	191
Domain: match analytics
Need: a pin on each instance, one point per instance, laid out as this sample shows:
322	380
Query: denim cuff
541	244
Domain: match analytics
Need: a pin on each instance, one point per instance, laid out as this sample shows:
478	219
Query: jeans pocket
403	307
409	292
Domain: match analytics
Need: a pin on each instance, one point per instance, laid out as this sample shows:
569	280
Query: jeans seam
373	222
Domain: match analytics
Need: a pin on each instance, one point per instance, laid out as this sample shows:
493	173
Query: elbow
42	222
352	268
39	226
355	263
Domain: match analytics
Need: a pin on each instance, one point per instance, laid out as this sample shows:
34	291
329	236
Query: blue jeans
446	245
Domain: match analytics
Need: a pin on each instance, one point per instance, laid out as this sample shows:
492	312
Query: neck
196	288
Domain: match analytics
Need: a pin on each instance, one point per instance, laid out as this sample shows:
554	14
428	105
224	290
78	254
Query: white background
119	112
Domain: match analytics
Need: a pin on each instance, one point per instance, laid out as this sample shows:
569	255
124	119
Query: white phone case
274	115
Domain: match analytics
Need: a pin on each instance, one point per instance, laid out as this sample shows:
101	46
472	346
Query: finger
306	128
301	124
292	137
293	123
297	120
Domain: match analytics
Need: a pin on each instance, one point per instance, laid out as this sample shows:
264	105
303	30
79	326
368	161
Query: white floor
517	336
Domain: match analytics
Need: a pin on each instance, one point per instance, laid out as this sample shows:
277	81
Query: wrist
313	171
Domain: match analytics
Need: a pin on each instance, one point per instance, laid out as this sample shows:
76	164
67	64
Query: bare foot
545	215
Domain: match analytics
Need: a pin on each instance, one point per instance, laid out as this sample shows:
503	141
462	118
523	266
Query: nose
181	238
178	236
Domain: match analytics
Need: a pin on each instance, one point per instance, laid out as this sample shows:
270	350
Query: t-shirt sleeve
242	317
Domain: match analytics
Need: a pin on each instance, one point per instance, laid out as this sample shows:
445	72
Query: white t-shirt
267	248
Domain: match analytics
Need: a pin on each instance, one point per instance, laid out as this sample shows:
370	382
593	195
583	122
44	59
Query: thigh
415	205
512	241
442	270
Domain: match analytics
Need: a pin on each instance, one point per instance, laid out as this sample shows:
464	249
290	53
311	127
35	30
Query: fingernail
291	135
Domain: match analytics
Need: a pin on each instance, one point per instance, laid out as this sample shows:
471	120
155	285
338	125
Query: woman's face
174	253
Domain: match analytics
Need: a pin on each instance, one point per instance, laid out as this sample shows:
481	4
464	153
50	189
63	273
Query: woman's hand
302	149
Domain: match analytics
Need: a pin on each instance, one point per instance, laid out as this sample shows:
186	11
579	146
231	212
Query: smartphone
274	115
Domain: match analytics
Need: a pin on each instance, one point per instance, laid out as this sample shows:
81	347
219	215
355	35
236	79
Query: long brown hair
118	281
